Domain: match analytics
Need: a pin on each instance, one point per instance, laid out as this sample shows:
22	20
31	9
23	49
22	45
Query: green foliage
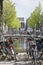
16	43
41	17
35	17
16	46
9	14
16	24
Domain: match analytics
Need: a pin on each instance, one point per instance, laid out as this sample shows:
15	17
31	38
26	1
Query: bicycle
36	60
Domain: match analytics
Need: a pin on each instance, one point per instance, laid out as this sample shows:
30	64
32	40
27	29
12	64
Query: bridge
23	36
18	36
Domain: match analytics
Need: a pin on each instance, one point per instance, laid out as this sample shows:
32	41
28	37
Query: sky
24	8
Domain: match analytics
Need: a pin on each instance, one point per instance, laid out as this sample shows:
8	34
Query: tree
9	14
34	19
16	45
41	17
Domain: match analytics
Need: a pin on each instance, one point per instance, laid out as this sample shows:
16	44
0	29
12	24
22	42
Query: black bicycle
36	60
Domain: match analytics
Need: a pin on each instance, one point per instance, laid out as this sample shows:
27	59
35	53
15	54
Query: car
37	32
22	30
29	31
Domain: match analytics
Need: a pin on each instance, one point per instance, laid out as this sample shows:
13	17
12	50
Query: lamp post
1	12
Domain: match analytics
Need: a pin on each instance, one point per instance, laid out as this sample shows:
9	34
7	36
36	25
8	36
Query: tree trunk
33	30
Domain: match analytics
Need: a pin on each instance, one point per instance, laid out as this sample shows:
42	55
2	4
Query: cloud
25	7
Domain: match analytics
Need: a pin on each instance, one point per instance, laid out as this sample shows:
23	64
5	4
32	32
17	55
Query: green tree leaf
9	15
35	17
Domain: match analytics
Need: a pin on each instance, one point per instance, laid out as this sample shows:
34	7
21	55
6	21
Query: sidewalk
17	63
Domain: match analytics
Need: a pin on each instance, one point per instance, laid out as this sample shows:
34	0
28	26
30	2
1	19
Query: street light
1	12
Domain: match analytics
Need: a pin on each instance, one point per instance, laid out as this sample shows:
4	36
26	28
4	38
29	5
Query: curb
12	62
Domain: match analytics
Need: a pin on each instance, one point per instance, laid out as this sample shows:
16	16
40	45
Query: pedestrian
10	40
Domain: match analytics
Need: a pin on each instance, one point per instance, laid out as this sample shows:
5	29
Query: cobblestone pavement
17	63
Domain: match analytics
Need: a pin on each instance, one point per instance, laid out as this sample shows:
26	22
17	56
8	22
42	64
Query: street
17	63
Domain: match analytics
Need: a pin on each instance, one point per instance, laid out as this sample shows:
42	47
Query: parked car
29	31
22	30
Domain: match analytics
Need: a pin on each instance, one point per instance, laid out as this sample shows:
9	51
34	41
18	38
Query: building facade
22	21
22	29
